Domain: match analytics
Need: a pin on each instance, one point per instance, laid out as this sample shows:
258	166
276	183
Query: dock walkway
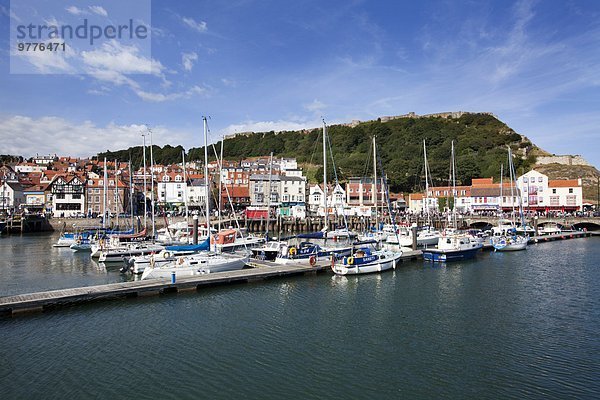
43	301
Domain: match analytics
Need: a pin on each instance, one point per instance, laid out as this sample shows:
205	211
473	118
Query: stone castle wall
564	160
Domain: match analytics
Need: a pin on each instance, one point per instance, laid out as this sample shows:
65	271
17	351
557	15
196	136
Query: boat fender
312	260
292	251
180	261
350	260
166	254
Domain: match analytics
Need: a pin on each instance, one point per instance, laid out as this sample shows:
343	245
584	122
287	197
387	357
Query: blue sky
262	65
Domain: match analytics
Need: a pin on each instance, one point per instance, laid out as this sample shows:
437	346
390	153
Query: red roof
482	181
563	183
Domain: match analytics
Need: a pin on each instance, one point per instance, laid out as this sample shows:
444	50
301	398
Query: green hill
480	143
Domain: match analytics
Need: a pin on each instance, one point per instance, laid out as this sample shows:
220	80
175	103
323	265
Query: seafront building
536	191
66	186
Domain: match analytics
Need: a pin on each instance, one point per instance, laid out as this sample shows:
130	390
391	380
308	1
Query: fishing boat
453	247
268	251
203	262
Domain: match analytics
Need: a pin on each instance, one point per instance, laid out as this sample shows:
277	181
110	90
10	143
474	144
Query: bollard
173	277
196	229
414	236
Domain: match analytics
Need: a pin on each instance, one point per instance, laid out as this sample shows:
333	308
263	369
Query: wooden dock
560	236
44	301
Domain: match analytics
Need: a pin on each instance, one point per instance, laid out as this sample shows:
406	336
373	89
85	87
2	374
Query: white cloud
267	126
160	97
198	26
9	13
114	56
315	106
229	82
49	62
84	139
75	10
187	59
99	10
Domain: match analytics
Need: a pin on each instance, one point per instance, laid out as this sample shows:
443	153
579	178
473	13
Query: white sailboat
200	263
427	236
505	238
365	259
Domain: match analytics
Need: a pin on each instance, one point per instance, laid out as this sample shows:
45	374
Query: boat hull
378	265
223	264
437	255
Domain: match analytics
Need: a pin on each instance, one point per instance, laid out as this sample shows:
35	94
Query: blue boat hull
448	256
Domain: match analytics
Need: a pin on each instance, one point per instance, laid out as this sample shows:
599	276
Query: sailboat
303	251
504	237
453	245
367	259
203	262
427	236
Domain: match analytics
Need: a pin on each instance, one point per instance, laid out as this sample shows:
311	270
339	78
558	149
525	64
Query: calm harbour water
507	325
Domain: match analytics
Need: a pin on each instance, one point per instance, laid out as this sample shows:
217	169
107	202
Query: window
540	179
60	196
97	199
525	180
553	191
76	196
570	190
180	194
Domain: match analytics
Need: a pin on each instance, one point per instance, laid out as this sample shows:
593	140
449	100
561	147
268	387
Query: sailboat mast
426	182
454	188
116	193
512	194
220	179
185	192
325	170
145	187
105	182
152	185
269	194
207	199
501	188
130	193
375	197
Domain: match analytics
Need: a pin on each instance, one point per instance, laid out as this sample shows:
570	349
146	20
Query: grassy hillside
480	143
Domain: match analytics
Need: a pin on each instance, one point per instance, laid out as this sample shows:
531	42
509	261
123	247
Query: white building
11	196
543	194
26	168
336	200
68	196
197	191
287	193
